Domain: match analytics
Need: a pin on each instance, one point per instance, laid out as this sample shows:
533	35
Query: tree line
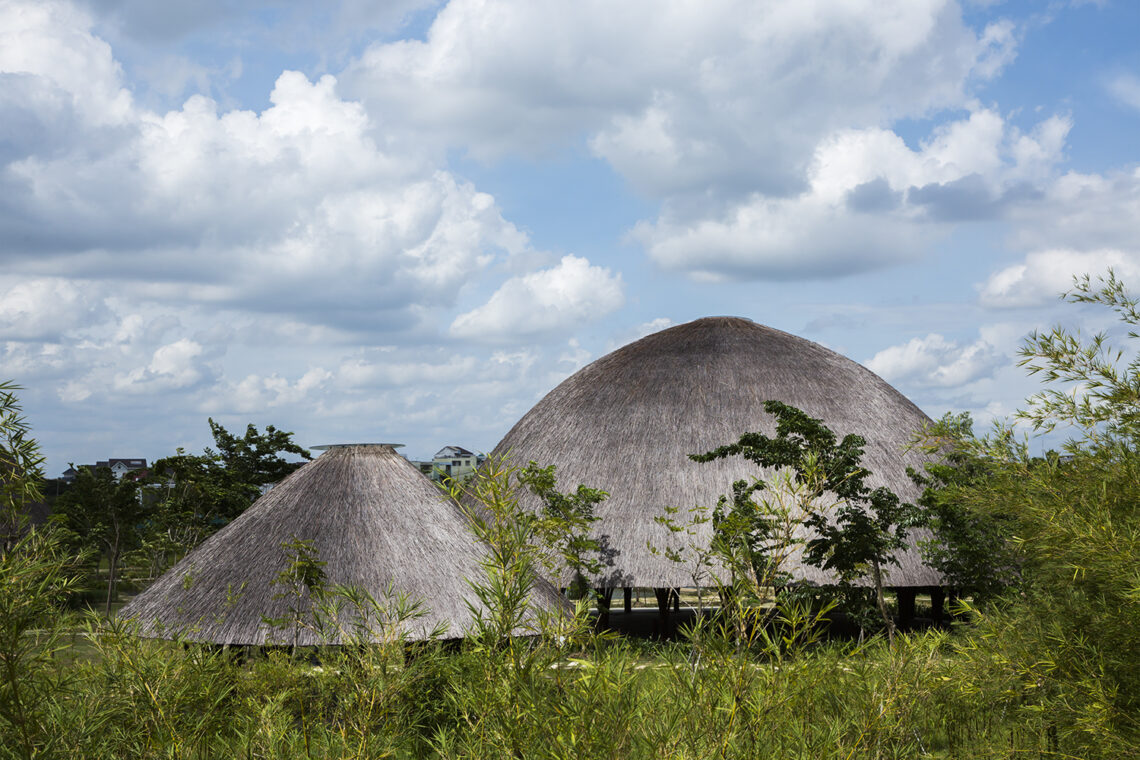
148	522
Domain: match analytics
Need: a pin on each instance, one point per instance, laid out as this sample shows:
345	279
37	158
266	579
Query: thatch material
371	516
627	422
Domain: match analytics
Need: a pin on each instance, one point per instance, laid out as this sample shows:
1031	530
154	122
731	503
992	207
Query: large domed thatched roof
627	422
369	514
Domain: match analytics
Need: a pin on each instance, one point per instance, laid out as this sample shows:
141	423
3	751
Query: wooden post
628	598
604	596
937	606
663	598
905	597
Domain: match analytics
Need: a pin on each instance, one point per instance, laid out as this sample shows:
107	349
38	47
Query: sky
408	221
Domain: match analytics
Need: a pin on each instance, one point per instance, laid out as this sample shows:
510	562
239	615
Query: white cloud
637	332
46	51
256	393
543	302
575	357
934	361
1044	275
74	392
168	260
1080	224
296	209
388	373
677	94
1082	212
26	361
702	106
1125	87
45	308
871	200
173	366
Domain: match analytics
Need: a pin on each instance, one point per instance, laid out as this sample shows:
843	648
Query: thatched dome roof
627	422
369	514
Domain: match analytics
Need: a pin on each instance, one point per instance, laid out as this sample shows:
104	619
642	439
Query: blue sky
410	220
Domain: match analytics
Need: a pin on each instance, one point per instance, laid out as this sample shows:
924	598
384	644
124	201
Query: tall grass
523	685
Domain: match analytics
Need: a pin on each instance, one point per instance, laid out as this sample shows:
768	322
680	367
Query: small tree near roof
860	532
563	526
199	493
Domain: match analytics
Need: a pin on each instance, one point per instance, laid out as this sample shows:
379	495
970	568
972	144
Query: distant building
118	468
451	462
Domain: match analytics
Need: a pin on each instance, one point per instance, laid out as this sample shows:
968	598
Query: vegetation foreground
137	698
1044	663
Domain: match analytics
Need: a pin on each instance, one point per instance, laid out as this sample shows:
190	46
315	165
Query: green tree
196	494
105	515
859	532
37	573
303	583
255	458
1069	640
21	466
972	548
563	526
754	534
1099	394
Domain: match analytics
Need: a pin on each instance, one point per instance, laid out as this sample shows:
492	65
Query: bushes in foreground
991	691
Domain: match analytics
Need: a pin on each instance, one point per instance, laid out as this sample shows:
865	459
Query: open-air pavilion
627	422
375	521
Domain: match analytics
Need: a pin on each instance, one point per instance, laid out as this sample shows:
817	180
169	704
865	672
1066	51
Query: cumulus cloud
871	200
702	106
231	207
934	361
544	302
172	263
173	366
58	68
1044	275
359	372
1125	87
1080	224
676	94
1082	212
190	258
255	393
45	308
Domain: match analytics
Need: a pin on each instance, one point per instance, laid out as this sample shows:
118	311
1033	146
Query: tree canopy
103	515
205	491
856	534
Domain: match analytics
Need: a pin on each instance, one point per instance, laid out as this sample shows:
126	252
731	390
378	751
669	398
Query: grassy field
105	693
74	684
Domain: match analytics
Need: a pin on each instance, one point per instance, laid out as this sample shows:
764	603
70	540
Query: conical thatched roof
627	422
371	517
